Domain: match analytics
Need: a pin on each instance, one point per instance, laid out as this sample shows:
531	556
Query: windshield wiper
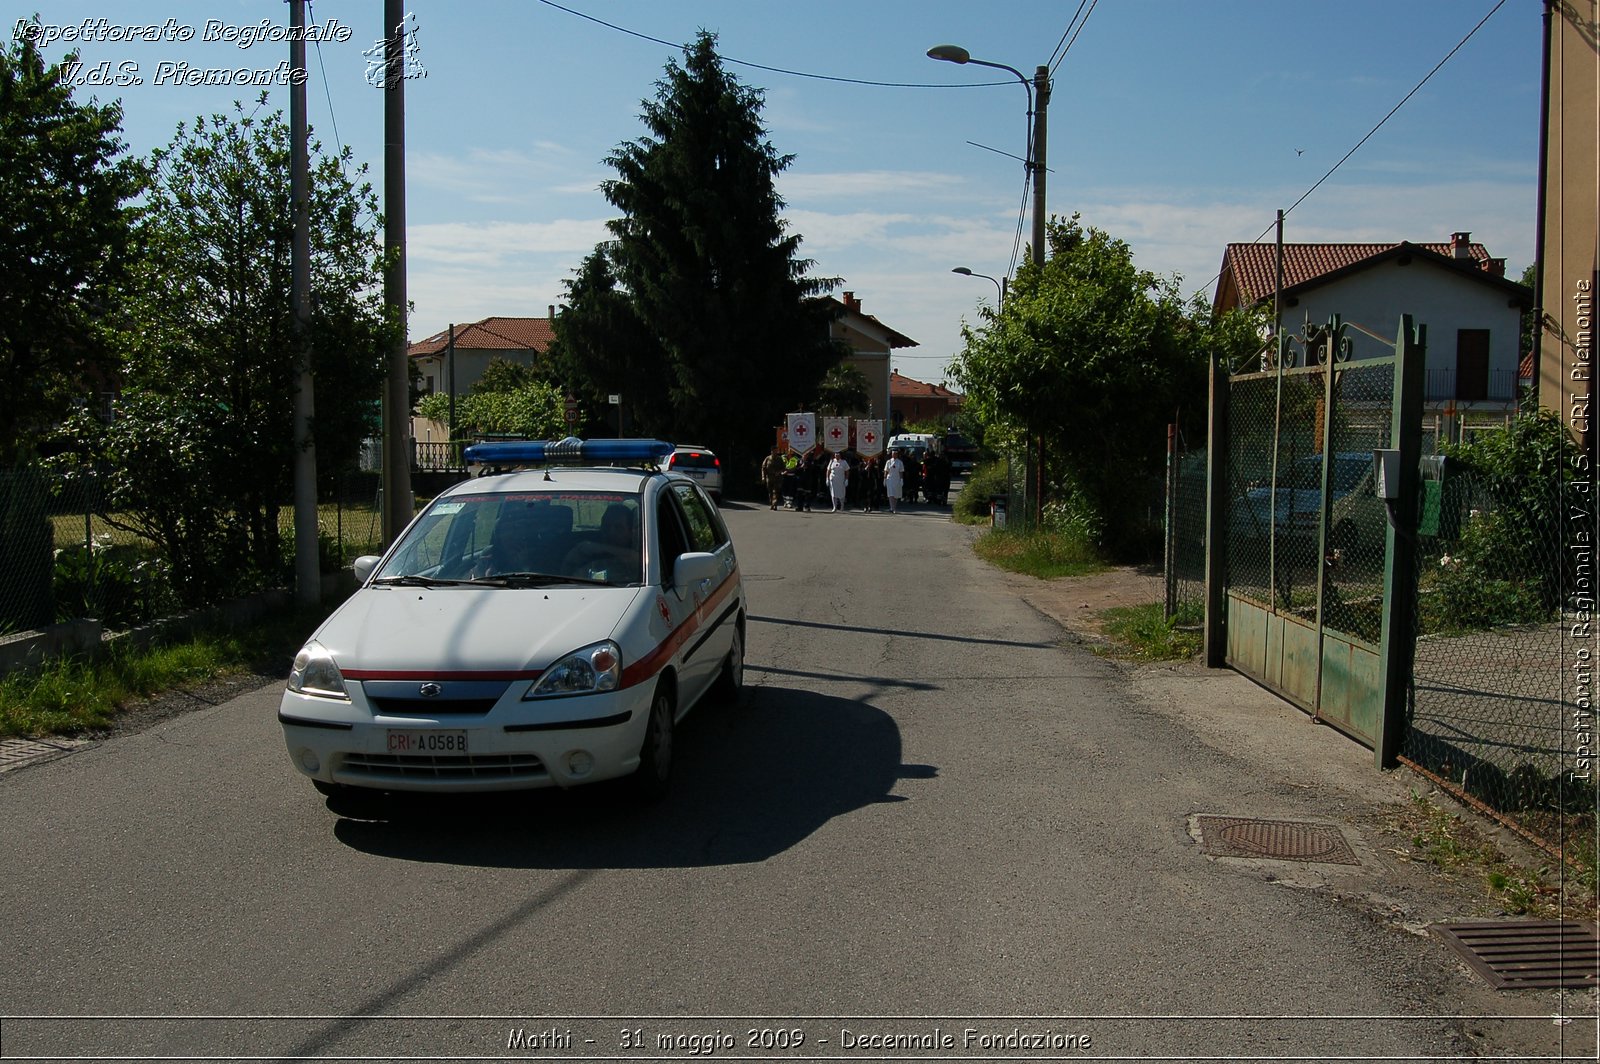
415	581
533	580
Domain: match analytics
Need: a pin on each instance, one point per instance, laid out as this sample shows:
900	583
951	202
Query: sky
1177	126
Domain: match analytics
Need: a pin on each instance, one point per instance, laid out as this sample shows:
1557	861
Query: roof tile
1252	265
492	334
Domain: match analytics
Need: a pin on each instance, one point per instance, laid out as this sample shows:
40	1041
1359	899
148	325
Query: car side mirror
364	565
693	567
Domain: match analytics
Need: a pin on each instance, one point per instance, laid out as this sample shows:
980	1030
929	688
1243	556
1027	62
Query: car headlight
316	673
592	670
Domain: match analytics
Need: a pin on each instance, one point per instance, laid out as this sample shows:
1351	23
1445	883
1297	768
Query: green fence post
1169	554
1398	642
1217	515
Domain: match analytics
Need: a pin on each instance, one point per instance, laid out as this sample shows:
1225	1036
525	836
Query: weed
1451	843
1145	634
1046	555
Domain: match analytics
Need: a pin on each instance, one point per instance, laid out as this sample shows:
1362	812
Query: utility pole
397	386
307	566
1041	101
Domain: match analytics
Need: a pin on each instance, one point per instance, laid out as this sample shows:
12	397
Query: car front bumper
516	745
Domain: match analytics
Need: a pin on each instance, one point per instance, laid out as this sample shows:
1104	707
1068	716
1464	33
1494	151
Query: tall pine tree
698	310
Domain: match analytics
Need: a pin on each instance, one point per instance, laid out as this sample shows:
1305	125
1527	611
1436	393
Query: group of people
850	482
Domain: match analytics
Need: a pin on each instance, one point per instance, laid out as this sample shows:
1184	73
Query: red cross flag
802	432
836	433
869	438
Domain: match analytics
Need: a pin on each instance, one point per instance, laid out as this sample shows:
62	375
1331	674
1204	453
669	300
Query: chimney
1461	245
851	302
1497	267
552	312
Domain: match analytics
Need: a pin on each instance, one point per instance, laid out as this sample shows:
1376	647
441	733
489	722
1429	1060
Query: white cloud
863	183
494	245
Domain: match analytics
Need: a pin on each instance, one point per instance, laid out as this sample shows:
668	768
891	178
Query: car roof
556	479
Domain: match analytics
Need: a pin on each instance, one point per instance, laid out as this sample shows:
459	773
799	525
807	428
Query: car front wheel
650	779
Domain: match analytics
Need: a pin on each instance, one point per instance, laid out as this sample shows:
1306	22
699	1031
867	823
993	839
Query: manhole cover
1280	840
1527	954
15	753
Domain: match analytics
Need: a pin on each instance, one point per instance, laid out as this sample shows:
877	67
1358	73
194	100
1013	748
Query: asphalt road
931	818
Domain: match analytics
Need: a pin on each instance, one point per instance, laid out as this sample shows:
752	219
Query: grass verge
1046	555
1452	843
72	696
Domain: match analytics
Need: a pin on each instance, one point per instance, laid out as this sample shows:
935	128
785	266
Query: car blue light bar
570	451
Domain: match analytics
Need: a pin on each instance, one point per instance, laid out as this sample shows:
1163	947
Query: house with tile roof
519	340
1473	313
914	401
871	344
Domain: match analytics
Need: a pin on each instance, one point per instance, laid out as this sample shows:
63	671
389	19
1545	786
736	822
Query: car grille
469	767
430	707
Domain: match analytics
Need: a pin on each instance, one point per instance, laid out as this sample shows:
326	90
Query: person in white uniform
838	477
894	472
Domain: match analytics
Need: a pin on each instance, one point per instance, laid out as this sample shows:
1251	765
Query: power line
1397	106
1065	32
333	118
1058	59
778	70
1343	159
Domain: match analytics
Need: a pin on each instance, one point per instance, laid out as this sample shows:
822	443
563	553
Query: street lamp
1040	87
1038	92
999	286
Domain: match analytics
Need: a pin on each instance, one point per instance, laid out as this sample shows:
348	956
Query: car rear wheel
730	682
650	779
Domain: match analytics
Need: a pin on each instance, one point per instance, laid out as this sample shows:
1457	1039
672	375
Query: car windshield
694	460
1348	472
521	539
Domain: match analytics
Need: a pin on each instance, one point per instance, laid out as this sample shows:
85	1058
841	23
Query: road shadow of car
750	781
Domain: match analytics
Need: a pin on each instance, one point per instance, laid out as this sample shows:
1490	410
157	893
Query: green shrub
1483	581
988	479
1075	518
123	586
1516	542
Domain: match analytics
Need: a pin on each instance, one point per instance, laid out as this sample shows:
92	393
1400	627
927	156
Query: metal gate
1301	539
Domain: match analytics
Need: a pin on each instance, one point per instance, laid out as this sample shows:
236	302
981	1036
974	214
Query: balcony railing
1443	386
441	457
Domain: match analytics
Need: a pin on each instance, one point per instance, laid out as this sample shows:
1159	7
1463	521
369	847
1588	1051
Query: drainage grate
1280	840
1527	954
15	753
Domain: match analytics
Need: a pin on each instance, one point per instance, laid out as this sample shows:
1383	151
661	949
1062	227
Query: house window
427	385
1472	364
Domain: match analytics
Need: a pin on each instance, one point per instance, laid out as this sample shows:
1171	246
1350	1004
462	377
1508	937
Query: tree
844	391
1093	356
698	309
503	375
530	408
64	239
208	328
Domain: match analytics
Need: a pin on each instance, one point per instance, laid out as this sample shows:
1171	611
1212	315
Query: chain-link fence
1493	712
1356	521
1184	565
69	555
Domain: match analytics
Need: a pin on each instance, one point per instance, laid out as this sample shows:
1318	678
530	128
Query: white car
531	628
698	464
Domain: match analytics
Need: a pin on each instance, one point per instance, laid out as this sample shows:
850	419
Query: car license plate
412	741
698	474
